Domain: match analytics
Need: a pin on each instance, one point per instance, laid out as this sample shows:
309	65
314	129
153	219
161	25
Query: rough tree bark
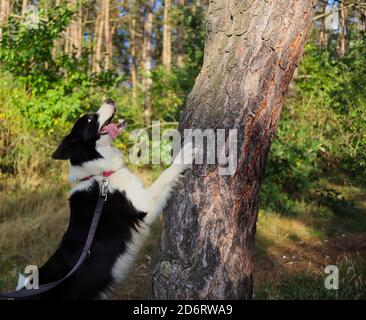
252	49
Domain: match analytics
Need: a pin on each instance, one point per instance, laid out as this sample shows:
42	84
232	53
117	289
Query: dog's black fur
79	145
118	220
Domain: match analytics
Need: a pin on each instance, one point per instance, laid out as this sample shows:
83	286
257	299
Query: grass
308	285
32	221
292	252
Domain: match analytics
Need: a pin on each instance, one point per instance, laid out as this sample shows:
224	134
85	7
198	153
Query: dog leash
23	293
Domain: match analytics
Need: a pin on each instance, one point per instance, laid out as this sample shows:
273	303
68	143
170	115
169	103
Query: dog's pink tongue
112	130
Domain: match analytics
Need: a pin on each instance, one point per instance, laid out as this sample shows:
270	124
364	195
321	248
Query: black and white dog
128	212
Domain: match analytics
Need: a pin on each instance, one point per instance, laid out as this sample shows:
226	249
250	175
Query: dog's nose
109	101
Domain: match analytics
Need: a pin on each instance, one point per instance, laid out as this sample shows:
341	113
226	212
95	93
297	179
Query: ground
290	256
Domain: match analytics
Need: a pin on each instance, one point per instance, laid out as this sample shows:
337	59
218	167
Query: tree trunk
57	43
74	32
24	7
167	36
98	37
323	37
180	39
80	31
363	22
107	37
147	61
4	14
342	31
132	33
252	49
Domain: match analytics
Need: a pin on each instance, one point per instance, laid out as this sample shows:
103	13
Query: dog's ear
64	150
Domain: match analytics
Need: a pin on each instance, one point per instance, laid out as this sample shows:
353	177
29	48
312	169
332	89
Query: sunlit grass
292	251
305	286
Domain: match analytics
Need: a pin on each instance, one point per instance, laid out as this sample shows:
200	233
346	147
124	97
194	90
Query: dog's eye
89	120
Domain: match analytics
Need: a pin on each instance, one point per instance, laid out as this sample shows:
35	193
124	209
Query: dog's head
90	131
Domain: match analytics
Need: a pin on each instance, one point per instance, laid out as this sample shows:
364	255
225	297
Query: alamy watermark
31	278
331	282
212	146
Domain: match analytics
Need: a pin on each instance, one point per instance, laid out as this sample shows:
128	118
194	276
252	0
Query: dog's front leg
160	191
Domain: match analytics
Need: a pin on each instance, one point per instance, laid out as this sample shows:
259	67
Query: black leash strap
23	293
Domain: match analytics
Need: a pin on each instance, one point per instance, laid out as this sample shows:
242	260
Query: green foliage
26	49
336	201
338	85
60	86
194	38
322	132
167	94
24	151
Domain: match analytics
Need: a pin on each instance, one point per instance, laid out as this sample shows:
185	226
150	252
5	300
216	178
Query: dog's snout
109	101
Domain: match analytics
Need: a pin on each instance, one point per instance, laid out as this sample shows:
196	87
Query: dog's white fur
151	200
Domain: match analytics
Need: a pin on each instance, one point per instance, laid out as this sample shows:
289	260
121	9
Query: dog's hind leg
160	191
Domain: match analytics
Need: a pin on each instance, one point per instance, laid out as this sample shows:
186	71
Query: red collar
105	174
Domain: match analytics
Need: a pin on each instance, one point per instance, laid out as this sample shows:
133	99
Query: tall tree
147	60
252	49
132	34
107	36
323	36
180	38
24	7
57	42
74	31
4	13
363	22
98	37
167	36
342	30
